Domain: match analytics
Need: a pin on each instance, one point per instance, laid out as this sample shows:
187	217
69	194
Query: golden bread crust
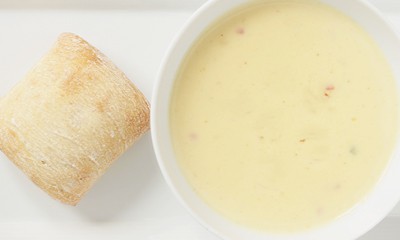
72	115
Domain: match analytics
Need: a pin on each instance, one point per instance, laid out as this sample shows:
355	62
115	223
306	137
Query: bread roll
70	118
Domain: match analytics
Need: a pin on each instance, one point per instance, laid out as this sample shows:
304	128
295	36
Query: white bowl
357	221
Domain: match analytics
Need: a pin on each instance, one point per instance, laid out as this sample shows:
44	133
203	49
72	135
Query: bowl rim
351	233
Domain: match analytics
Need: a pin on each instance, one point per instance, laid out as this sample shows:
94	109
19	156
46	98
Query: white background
131	201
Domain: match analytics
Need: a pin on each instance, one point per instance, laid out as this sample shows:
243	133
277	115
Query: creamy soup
284	115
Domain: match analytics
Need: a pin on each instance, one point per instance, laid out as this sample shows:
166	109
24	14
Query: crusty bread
70	118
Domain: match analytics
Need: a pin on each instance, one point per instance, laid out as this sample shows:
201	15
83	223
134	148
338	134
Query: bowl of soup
279	119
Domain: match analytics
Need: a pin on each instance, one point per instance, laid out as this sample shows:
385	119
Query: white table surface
132	200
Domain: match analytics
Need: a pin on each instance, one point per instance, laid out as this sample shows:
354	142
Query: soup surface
284	115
